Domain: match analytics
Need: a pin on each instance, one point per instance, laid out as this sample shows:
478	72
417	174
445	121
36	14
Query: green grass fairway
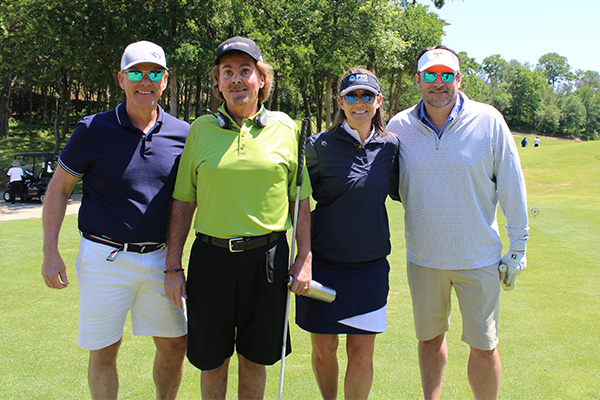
549	325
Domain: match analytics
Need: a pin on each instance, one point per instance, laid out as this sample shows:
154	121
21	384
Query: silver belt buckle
232	242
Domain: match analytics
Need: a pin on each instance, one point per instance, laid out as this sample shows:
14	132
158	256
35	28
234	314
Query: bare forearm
303	230
54	270
55	205
179	227
52	218
301	270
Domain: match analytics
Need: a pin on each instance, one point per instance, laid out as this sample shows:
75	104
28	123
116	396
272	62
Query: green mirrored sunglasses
135	75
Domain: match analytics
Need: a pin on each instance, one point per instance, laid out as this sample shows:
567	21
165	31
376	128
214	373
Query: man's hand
175	287
511	265
55	205
179	227
54	272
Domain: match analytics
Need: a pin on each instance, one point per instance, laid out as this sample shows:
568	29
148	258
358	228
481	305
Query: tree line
59	59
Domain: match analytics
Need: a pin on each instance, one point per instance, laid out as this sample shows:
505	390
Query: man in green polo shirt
238	174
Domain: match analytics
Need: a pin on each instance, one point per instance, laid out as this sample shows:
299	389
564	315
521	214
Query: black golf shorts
236	301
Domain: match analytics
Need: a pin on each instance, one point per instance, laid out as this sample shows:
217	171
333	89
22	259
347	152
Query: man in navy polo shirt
127	159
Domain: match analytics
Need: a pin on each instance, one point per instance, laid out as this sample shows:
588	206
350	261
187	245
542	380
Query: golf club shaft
304	133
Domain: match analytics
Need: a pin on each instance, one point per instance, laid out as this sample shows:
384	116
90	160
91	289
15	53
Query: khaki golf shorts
478	293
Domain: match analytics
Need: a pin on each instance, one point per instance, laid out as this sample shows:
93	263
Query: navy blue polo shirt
128	176
350	184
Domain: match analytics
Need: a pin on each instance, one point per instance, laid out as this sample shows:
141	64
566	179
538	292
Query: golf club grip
304	134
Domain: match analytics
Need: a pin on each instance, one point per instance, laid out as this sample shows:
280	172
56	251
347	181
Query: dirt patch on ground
9	212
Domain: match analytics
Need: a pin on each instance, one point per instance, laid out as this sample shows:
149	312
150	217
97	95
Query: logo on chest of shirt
323	142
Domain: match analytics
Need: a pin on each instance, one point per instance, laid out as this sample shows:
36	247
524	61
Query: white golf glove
511	265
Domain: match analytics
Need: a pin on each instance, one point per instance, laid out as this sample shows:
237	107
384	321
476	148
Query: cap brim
439	68
132	64
223	54
365	87
435	64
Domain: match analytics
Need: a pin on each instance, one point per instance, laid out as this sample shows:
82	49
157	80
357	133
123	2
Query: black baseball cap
239	43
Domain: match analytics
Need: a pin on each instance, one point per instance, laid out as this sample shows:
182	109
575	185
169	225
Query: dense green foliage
547	98
59	59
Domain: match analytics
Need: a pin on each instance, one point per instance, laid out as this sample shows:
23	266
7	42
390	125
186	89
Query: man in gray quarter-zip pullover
458	161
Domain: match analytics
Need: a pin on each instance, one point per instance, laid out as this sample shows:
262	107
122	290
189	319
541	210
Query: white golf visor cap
438	57
359	81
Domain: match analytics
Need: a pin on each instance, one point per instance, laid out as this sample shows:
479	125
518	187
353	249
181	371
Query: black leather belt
239	244
131	247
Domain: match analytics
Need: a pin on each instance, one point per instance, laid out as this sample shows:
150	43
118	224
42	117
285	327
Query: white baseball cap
435	57
143	52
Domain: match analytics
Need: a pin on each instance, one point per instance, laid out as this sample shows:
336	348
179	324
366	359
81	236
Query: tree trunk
199	98
5	106
57	119
187	95
390	95
173	89
399	90
87	98
45	110
108	96
61	108
305	99
319	100
328	99
395	100
274	98
30	127
68	81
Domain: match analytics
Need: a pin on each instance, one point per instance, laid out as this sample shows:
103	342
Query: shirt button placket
244	135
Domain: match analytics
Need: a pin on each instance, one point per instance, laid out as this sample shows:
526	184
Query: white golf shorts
109	290
478	293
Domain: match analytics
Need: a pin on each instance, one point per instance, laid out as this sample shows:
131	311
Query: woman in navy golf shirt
353	167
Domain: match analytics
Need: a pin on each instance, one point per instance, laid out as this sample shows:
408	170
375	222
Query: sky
524	30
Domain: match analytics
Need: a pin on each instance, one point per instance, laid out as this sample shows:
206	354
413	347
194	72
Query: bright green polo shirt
241	178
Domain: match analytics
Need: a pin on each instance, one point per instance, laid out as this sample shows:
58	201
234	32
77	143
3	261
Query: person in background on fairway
351	167
458	160
127	159
536	142
16	174
238	172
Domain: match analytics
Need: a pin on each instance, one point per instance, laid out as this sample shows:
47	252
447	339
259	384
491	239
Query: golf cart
38	168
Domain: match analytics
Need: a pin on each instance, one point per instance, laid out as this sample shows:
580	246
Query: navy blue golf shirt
128	176
345	177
